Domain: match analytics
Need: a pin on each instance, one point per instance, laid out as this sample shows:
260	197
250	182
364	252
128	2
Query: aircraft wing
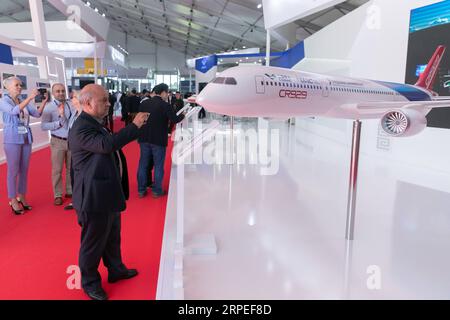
376	109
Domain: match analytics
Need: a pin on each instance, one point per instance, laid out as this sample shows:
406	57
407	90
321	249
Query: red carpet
37	248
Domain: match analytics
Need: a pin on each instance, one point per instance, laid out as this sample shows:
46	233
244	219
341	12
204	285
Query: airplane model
259	91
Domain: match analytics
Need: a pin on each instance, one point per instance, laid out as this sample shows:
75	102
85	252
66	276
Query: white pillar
268	48
190	80
73	71
102	66
95	60
40	35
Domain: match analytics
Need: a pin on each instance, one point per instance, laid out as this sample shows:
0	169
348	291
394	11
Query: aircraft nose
202	98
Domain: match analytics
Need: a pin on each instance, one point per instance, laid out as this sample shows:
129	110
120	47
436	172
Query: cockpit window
219	80
231	81
222	80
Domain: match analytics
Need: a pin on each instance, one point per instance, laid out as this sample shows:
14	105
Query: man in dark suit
100	189
153	139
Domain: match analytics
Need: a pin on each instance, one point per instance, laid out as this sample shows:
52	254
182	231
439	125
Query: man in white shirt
56	118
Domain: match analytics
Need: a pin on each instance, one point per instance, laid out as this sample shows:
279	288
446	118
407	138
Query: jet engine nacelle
403	123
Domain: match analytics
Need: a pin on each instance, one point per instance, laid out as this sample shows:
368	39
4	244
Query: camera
41	97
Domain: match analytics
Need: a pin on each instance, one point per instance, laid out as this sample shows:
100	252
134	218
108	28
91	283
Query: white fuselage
259	91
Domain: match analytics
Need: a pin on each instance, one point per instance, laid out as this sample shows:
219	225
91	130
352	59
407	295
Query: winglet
426	79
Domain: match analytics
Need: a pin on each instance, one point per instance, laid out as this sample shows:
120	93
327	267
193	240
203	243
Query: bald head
94	101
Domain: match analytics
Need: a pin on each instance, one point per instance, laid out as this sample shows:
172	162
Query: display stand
232	139
191	112
199	244
347	269
353	181
187	107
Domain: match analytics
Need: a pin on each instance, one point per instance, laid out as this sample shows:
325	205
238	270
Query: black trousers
202	113
151	165
100	239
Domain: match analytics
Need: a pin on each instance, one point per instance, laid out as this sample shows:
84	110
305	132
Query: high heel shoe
16	212
27	208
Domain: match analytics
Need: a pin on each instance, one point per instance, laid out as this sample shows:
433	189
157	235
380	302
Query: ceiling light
244	47
259	6
96	10
88	4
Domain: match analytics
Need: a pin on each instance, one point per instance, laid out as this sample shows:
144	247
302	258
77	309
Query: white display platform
283	236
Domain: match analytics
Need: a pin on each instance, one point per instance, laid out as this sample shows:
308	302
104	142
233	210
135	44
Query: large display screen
429	28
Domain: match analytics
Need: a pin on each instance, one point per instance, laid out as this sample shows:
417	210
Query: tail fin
426	79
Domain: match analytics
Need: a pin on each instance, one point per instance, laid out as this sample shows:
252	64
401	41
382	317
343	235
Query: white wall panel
280	12
144	54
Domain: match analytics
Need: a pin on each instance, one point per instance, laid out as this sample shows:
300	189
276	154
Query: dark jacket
98	186
156	130
133	104
178	105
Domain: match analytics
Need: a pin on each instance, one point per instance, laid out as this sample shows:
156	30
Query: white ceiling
194	27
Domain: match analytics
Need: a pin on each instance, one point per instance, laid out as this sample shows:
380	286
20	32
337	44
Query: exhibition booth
263	206
274	225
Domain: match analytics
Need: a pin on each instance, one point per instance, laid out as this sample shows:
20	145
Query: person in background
100	189
148	96
118	97
153	140
169	98
109	119
133	104
179	102
78	109
56	119
124	107
18	139
144	94
177	105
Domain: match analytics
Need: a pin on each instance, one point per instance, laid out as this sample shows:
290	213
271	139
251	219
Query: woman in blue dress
18	139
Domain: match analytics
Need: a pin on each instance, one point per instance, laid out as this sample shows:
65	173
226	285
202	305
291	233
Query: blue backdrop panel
5	54
290	57
205	64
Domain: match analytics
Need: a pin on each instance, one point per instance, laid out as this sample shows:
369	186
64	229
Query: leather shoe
98	294
58	201
68	196
158	195
130	273
69	207
142	194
